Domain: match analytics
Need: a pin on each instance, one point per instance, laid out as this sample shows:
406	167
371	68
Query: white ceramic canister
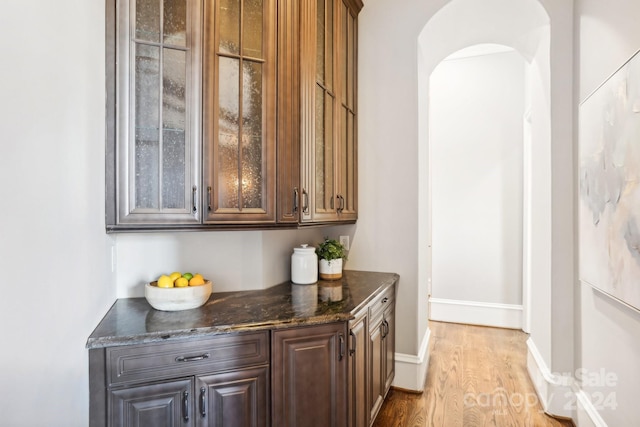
304	265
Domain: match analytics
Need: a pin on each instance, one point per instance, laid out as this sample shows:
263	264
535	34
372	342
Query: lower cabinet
233	398
371	358
358	377
164	404
236	398
218	381
309	367
327	375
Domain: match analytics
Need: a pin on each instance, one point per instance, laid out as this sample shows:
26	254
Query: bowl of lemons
178	291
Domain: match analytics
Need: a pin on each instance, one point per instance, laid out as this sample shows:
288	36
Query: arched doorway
522	25
477	102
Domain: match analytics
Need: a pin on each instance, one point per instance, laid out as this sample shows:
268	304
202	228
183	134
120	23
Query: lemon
175	275
165	281
196	280
187	276
181	282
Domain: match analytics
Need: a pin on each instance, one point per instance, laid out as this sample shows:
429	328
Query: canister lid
304	248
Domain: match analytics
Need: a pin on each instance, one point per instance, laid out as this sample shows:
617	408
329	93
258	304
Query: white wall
233	260
608	35
53	249
476	139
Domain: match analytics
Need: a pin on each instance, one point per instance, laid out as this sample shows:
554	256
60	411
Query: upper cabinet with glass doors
153	169
239	110
234	113
329	150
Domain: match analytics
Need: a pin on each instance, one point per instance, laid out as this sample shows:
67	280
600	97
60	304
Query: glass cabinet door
239	110
329	164
347	159
157	160
325	102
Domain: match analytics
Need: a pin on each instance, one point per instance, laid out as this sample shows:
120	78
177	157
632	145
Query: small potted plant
331	254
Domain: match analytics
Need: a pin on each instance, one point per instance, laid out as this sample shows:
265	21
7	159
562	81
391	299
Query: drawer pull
385	299
192	358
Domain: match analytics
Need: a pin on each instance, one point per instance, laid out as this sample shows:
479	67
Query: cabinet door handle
305	206
341	206
209	198
354	342
185	405
194	198
341	338
192	358
203	402
295	200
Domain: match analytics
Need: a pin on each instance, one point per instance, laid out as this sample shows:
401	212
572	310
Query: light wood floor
477	376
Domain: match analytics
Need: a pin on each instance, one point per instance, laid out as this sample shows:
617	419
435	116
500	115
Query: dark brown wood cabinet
239	111
218	381
329	368
371	358
236	398
231	114
357	374
381	349
163	404
309	368
317	138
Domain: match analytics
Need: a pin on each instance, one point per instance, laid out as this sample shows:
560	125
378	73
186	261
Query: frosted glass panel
174	84
320	40
229	22
175	22
146	164
229	125
320	148
173	169
252	98
173	118
252	135
147	116
148	20
147	84
252	28
328	65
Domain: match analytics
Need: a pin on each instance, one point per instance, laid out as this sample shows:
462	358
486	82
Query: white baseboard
555	392
560	395
586	414
476	313
411	371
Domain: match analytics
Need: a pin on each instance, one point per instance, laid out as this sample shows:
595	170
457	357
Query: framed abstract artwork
609	180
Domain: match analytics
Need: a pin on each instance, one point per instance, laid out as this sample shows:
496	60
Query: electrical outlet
344	241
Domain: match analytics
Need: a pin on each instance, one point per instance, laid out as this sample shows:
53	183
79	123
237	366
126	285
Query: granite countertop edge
360	288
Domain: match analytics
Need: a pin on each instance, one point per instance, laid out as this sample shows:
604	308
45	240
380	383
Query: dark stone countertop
134	321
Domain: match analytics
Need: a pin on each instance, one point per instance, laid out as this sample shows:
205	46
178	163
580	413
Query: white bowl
176	299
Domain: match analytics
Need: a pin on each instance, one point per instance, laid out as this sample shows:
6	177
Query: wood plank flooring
477	376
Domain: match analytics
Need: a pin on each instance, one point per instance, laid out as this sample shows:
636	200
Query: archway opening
522	26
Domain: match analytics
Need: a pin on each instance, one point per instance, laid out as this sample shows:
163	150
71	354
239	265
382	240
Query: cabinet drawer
382	302
155	361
